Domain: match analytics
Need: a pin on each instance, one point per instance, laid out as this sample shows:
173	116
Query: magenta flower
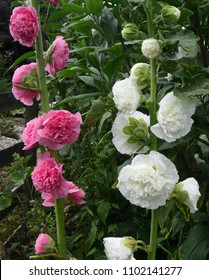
24	25
30	136
47	177
25	84
44	244
60	127
58	55
54	2
75	194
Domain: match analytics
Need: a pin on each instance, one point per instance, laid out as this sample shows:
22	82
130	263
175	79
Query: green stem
59	209
153	235
60	228
41	65
153	120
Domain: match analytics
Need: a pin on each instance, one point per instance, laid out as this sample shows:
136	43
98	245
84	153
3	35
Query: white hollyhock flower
125	96
148	181
118	248
140	75
120	139
188	193
150	48
174	117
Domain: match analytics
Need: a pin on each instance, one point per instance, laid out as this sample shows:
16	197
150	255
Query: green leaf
5	199
196	245
198	87
28	55
98	108
109	25
66	10
94	6
91	237
103	210
84	26
113	67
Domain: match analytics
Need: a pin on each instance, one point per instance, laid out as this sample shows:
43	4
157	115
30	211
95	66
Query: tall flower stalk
153	120
59	209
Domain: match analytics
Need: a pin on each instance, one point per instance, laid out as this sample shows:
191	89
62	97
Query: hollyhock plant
59	127
119	248
130	133
47	177
188	193
174	117
125	96
75	194
24	25
57	55
44	244
30	136
25	84
148	180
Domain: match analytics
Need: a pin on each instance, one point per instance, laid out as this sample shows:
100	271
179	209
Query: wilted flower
151	48
185	53
170	14
44	244
25	84
119	248
24	25
57	55
188	193
140	75
130	133
174	117
130	32
47	177
125	96
148	180
54	2
203	146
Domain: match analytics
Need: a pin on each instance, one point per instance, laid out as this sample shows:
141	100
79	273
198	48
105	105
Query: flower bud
188	193
151	48
140	75
44	244
130	32
170	14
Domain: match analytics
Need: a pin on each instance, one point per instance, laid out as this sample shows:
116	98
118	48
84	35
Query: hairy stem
153	119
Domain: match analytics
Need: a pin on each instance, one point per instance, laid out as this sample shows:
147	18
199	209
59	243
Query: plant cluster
136	81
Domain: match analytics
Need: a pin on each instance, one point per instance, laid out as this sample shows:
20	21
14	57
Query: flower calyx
137	131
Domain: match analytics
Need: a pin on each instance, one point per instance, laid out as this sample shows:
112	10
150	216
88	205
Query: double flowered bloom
24	25
52	130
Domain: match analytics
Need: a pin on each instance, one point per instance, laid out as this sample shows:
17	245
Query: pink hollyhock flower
54	2
60	127
58	55
75	194
47	177
24	25
44	244
30	136
25	84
